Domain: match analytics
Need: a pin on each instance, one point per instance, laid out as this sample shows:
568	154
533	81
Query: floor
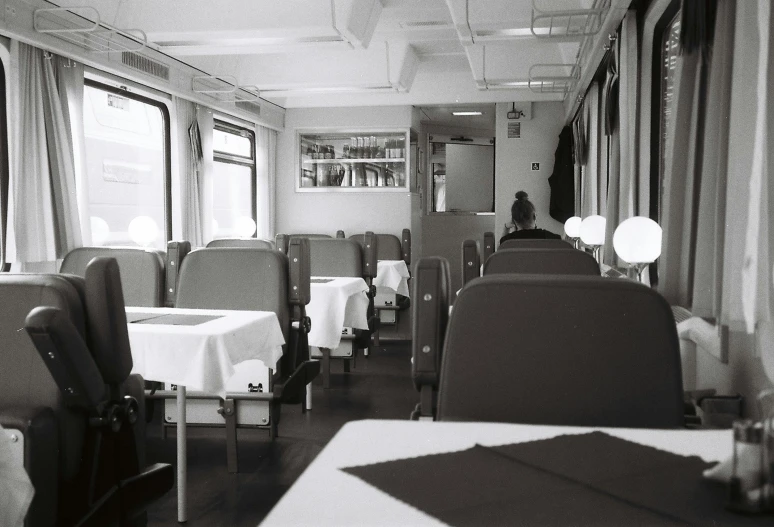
379	387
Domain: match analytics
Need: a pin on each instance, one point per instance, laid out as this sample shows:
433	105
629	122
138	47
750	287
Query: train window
234	194
670	43
127	148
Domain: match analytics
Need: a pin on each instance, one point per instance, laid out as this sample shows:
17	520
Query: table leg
182	456
326	366
309	396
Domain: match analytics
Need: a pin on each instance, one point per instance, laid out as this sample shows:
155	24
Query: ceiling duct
568	23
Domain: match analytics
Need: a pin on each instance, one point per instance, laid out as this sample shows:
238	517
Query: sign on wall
514	130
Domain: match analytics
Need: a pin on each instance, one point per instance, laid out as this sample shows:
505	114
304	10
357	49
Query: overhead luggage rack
82	26
224	88
568	23
553	78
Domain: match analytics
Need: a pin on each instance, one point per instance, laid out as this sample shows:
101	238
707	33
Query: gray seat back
388	246
236	278
335	257
24	378
569	350
255	243
142	271
541	261
535	244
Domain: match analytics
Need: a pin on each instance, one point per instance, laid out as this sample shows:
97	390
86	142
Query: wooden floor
379	387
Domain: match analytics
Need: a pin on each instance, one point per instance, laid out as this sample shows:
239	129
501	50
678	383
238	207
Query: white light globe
592	230
244	227
100	230
572	227
637	240
143	230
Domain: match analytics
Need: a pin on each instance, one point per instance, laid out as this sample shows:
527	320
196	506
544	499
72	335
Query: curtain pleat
590	184
189	151
206	124
757	296
681	182
266	169
33	214
60	152
711	219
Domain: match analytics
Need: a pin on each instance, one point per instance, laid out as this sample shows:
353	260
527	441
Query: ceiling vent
145	65
438	24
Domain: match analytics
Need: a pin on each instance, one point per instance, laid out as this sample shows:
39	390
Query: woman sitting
523	222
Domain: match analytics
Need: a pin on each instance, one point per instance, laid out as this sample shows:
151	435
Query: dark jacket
530	234
562	181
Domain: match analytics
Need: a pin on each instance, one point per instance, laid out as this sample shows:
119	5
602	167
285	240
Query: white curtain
757	279
590	177
266	176
45	219
204	187
622	184
191	173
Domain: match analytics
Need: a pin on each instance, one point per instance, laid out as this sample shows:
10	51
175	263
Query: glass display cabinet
352	161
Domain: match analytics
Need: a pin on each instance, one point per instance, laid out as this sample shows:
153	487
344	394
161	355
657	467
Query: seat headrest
388	246
542	261
106	315
142	271
335	257
255	243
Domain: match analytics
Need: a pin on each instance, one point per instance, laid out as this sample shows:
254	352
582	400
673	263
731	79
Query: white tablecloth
16	490
315	499
202	357
393	275
335	304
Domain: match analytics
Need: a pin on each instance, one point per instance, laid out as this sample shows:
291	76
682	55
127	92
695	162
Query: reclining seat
339	257
542	261
561	350
255	243
30	401
101	480
257	280
430	313
387	303
142	271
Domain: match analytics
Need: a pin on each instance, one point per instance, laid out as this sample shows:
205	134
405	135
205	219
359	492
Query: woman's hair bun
521	195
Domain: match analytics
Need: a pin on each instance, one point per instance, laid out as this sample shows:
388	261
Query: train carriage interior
437	261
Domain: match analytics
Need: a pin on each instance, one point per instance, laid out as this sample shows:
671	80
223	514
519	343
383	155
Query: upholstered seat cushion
541	261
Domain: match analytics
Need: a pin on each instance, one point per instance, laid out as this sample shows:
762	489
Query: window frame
233	159
167	152
5	177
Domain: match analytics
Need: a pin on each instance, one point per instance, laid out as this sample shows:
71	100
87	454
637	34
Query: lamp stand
635	270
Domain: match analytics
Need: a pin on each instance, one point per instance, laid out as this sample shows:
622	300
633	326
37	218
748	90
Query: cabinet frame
300	163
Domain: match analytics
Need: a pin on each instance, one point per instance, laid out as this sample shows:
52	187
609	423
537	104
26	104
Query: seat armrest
66	356
471	263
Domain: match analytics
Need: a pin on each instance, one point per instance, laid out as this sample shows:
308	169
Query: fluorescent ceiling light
467	113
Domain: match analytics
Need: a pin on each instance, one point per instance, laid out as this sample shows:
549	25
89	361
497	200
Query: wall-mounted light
592	233
572	229
637	241
514	113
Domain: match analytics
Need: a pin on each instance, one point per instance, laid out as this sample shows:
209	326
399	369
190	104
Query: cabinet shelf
351	160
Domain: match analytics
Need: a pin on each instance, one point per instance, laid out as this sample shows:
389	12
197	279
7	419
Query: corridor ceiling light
467	113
